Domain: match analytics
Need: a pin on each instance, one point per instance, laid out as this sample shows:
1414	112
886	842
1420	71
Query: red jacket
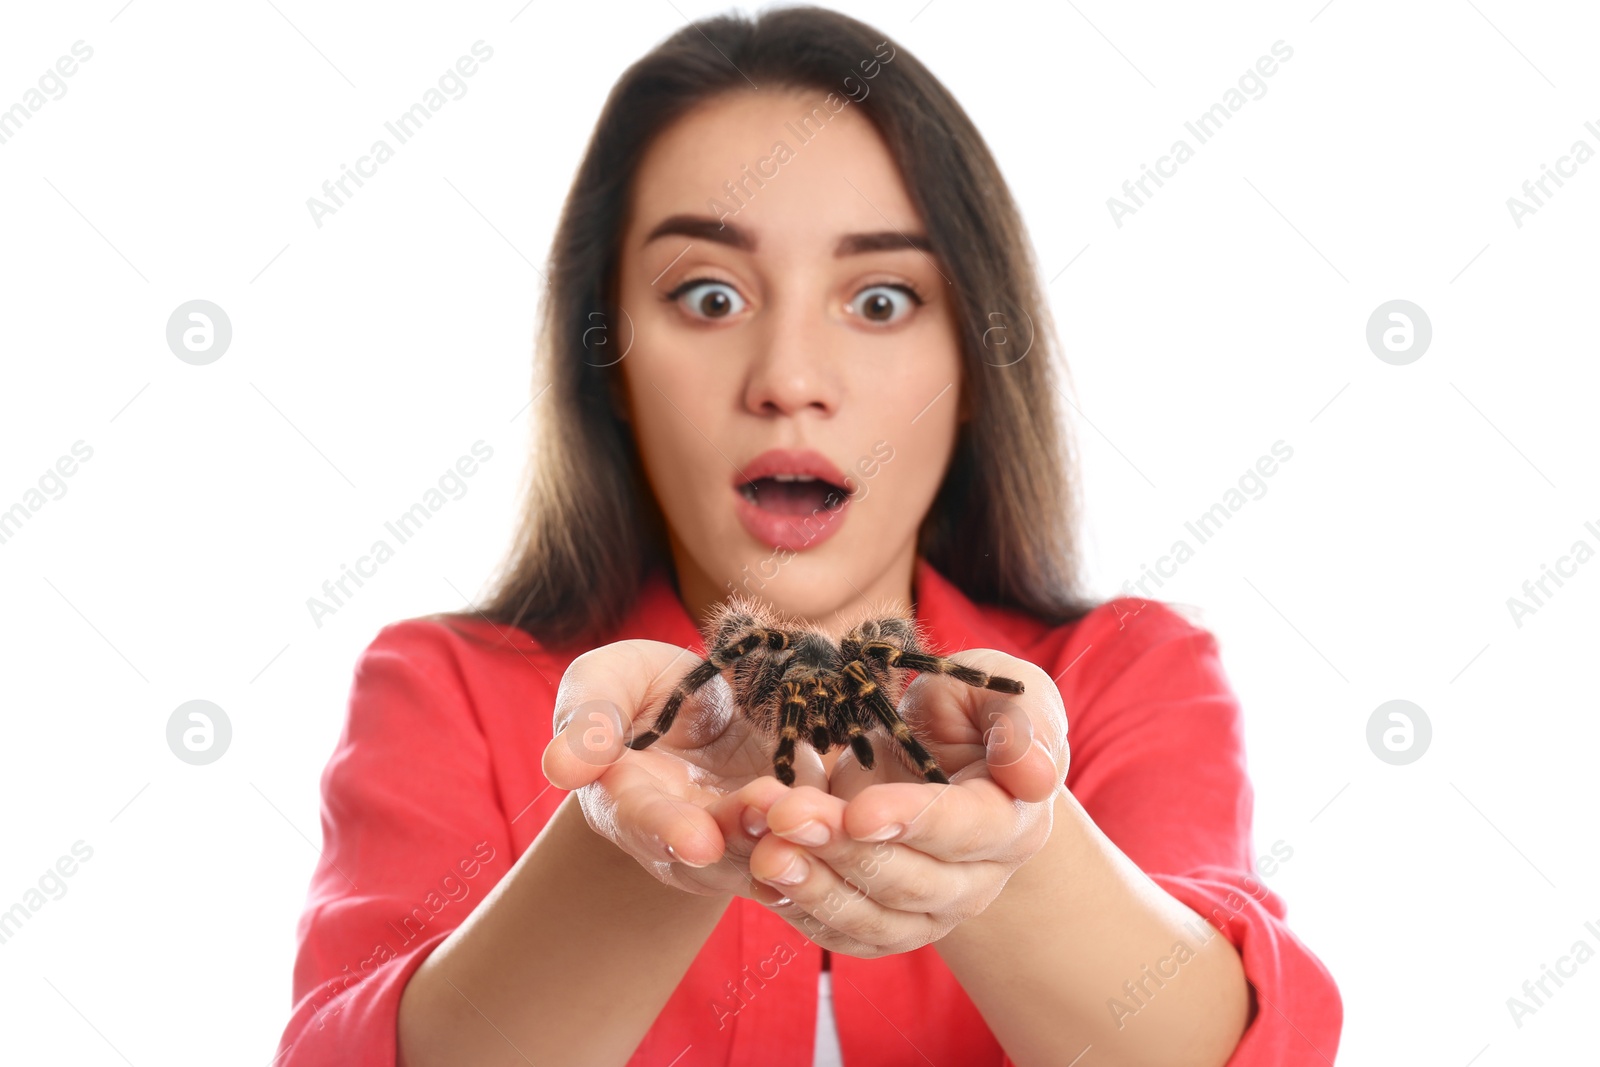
435	789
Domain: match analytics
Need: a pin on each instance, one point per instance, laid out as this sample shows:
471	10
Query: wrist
1042	881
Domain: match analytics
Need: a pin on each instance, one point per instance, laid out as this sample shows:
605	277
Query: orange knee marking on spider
791	732
901	731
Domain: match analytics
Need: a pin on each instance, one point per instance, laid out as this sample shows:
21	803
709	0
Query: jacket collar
951	621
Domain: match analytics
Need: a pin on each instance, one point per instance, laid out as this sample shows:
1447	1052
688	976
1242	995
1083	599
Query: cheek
666	406
904	461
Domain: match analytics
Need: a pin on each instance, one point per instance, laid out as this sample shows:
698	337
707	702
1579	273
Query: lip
792	532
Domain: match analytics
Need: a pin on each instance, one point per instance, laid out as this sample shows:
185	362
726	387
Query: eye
885	304
707	298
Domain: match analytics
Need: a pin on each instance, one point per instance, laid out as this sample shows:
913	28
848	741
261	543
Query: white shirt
827	1052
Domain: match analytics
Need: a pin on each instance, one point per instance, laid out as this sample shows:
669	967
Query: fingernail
754	822
762	889
793	874
673	854
894	829
809	832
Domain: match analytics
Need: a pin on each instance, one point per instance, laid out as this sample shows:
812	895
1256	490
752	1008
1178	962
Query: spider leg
869	692
921	661
794	708
855	736
691	683
821	737
861	745
669	711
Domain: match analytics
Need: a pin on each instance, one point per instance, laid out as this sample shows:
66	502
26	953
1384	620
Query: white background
368	354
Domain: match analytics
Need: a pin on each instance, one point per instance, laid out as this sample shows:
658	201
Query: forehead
781	164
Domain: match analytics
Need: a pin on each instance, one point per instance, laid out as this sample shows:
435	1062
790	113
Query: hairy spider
792	681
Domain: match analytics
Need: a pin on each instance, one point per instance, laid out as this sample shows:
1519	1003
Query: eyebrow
734	236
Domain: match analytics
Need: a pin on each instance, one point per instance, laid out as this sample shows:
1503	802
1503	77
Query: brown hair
1002	527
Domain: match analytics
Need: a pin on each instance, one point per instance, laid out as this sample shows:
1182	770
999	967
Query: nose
793	369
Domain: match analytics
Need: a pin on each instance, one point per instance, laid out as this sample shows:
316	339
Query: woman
794	349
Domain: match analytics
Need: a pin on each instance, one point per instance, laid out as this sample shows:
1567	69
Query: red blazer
435	789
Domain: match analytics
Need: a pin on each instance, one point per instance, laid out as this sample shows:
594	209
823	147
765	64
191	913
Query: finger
856	901
1024	734
651	824
898	877
812	928
974	819
604	691
741	815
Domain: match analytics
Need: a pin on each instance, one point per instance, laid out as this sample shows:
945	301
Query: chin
804	585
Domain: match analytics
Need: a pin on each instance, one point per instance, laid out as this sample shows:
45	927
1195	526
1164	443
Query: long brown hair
1003	526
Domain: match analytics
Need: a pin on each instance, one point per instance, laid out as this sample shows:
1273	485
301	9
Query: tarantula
792	681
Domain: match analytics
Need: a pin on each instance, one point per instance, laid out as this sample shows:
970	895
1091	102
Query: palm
709	754
945	715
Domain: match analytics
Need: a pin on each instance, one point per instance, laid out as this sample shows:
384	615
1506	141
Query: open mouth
794	494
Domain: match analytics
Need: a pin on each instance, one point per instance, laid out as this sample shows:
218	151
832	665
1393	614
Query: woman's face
804	316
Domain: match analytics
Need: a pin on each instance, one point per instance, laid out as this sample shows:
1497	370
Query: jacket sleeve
413	838
1158	762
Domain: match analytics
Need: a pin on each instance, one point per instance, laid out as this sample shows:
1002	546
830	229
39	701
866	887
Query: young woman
794	349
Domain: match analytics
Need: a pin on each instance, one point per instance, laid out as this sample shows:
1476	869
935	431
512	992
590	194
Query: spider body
794	682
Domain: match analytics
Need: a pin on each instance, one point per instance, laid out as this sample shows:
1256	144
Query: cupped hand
680	806
887	861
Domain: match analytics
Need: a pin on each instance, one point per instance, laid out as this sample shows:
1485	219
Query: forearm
551	967
1079	926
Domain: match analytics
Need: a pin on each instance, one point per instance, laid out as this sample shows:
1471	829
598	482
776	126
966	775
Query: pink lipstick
791	499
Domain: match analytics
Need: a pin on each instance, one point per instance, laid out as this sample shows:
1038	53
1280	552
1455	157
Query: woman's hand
959	843
678	806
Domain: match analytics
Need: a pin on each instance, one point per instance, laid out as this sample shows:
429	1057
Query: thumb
1017	758
591	739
